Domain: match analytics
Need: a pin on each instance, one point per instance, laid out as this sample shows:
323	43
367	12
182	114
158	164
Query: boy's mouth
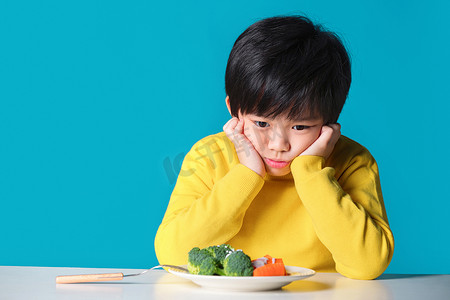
278	164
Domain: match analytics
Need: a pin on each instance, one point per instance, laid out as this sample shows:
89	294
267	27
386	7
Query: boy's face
278	141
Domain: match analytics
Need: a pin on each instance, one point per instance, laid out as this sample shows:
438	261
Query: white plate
247	283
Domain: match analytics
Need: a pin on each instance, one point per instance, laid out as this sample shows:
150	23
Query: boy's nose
278	142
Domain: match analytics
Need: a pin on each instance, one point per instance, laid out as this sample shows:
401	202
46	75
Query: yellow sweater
325	215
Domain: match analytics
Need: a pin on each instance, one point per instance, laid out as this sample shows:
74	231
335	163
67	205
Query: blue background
100	100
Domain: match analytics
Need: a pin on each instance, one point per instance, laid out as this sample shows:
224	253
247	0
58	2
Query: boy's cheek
248	132
307	142
254	137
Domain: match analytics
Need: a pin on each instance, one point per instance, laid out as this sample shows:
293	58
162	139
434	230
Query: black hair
286	65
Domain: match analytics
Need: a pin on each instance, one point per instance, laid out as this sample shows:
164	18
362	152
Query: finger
234	132
335	126
230	125
335	132
326	130
241	125
227	124
331	129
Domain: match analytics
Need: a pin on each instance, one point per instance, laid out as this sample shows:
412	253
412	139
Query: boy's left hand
324	145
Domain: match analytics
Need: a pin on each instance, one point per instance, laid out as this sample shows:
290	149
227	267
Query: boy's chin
278	172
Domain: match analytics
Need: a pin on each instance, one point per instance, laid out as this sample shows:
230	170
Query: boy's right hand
246	152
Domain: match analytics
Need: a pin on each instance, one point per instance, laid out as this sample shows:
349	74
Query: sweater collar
286	177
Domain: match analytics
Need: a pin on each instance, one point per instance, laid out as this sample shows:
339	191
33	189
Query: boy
280	179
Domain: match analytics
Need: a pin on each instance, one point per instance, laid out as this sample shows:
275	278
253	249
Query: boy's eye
261	124
300	127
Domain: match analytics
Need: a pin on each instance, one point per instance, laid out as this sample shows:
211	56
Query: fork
109	276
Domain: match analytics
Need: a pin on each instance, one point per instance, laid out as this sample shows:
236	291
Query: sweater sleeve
348	214
207	205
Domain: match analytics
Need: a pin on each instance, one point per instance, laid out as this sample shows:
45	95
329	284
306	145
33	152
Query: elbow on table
364	274
367	269
372	262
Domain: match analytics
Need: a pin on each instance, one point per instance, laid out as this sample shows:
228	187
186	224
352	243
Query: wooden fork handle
88	278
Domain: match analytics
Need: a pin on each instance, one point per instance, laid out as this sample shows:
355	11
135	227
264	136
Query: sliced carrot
275	269
271	268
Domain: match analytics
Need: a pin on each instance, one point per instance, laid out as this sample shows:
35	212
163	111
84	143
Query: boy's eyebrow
307	119
300	119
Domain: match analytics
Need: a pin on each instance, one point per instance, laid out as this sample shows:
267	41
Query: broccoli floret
220	253
221	260
237	264
201	262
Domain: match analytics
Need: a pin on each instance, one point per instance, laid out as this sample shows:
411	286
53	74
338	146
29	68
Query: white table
39	283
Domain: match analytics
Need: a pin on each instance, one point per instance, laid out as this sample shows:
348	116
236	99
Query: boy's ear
227	102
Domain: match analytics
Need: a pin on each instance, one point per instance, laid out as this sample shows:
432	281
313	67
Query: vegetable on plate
226	261
268	266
